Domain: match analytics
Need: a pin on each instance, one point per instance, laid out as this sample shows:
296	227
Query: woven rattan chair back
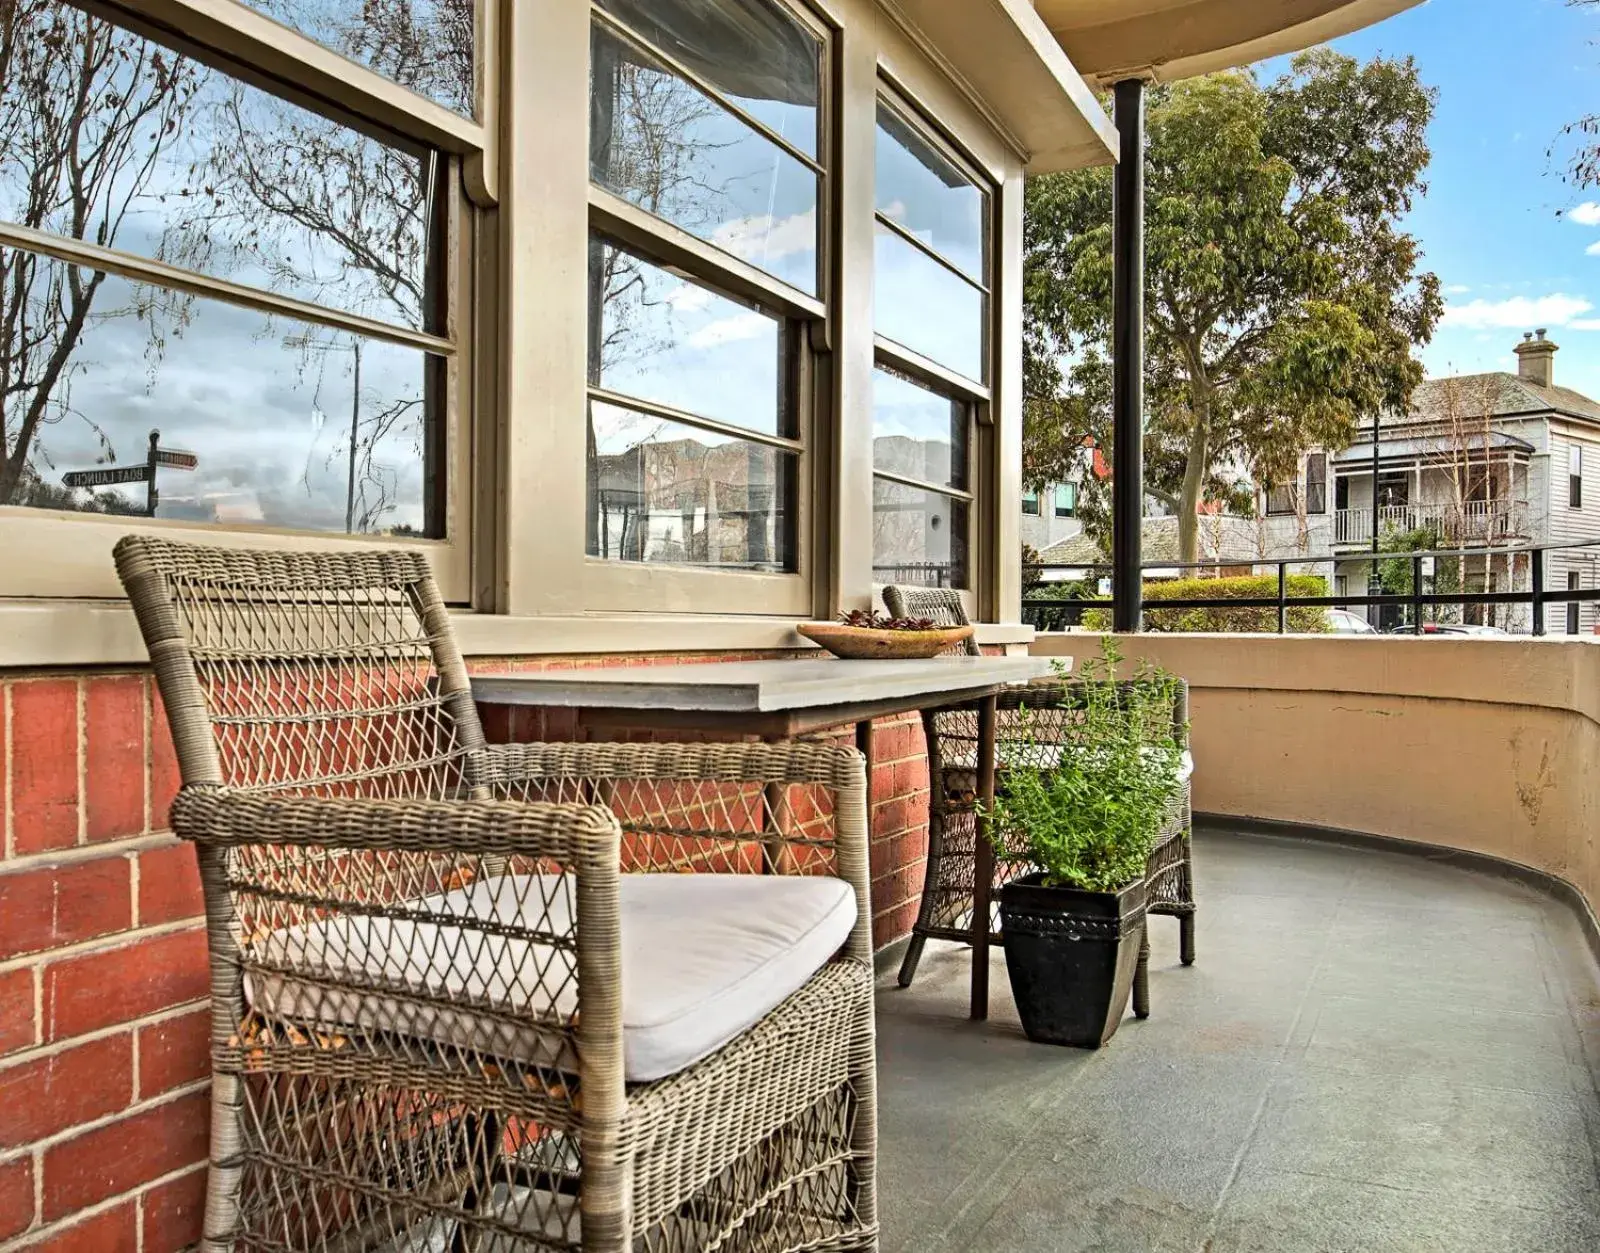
319	674
941	604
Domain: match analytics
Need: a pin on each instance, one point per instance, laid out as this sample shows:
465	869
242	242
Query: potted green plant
1081	802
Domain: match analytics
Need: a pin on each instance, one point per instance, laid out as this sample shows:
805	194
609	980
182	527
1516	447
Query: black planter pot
1071	956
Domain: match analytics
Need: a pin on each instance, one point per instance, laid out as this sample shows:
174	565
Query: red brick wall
103	1059
103	1031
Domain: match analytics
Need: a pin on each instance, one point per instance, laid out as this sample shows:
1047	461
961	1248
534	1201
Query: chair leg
1141	974
908	963
224	1177
1186	939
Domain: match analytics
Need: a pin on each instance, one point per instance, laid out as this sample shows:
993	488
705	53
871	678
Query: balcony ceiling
1171	39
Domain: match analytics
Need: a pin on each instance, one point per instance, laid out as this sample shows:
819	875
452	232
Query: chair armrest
579	836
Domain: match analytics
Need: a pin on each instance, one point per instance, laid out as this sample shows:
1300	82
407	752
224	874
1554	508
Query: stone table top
753	687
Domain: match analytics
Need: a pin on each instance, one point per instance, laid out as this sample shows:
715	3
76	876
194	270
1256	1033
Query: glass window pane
925	193
660	337
182	163
660	144
918	433
267	405
669	493
426	45
925	307
918	537
753	52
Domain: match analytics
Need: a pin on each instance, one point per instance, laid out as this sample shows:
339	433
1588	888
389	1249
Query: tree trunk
1194	475
1198	462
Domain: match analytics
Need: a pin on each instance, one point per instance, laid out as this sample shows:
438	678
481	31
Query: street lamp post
1374	578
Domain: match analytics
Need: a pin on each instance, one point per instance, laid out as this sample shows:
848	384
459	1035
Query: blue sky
1495	223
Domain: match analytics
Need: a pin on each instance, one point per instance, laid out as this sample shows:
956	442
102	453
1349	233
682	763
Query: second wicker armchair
949	884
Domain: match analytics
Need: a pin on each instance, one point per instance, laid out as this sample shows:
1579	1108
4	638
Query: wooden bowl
864	643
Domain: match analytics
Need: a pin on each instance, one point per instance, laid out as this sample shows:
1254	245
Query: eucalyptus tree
1284	296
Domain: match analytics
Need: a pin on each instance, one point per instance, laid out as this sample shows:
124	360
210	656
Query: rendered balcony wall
1483	745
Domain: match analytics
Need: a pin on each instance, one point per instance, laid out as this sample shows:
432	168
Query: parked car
1343	622
1449	628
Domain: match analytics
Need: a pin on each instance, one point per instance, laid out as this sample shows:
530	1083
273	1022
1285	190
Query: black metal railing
1055	613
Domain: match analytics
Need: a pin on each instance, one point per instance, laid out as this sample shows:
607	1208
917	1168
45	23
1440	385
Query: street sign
176	459
107	477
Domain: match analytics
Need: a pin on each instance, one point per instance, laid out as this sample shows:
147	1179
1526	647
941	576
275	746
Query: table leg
983	868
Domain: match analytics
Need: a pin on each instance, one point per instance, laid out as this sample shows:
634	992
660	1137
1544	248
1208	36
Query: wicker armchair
952	738
452	1008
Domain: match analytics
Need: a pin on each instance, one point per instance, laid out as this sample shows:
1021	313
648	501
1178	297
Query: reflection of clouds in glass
618	430
929	196
662	145
925	307
677	343
244	185
764	240
743	326
227	388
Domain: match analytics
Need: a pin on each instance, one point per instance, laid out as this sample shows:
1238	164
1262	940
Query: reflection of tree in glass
326	209
642	145
86	111
426	45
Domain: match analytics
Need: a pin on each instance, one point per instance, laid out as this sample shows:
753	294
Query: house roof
1222	538
1410	449
1498	395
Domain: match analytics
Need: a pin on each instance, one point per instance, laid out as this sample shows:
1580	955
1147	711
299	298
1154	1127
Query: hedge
1304	619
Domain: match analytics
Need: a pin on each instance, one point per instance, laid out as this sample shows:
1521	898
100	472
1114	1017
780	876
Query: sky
1515	246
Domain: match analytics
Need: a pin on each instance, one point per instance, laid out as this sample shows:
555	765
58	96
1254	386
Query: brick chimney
1536	359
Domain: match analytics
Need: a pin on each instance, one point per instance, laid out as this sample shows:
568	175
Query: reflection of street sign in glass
166	458
106	477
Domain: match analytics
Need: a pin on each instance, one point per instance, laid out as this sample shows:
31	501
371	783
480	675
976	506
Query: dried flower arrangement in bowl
865	633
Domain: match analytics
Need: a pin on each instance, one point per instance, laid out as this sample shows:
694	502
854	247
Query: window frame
1574	608
1031	498
1574	476
616	586
1316	493
247	46
977	396
1281	502
1069	510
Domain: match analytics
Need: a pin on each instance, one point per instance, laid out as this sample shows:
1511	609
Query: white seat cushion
704	957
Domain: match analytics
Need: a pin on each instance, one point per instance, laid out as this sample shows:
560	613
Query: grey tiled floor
1374	1052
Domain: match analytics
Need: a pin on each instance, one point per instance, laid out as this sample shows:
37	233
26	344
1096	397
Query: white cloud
1593	249
689	297
1584	324
1457	289
763	239
1586	214
1518	312
730	330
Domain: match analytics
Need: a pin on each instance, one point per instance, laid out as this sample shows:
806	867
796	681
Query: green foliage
1302	619
1284	297
1090	821
1397	574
